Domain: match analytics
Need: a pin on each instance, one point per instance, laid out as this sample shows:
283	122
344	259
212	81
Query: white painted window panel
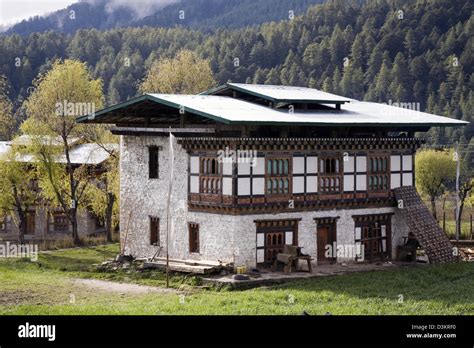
227	168
348	162
298	165
260	256
298	184
361	182
361	164
383	230
289	237
395	163
243	186
407	162
194	184
227	186
194	165
349	183
260	240
311	184
258	186
358	233
259	166
312	165
243	168
407	179
394	181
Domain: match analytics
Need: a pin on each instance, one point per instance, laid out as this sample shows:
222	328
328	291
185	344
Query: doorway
326	235
272	235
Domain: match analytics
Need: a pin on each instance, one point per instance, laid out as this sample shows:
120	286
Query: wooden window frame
370	227
210	175
154	231
278	176
194	242
378	173
330	181
153	162
53	223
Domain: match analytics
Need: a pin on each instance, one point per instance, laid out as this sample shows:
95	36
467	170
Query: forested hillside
387	51
196	14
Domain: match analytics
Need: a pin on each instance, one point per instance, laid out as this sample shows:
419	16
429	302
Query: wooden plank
180	267
198	262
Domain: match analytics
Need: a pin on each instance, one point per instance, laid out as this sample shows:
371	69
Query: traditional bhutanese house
45	222
257	167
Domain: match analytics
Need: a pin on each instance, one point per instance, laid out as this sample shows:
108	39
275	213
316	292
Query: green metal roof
229	110
286	94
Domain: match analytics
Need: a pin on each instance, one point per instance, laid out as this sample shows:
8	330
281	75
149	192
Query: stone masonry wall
222	237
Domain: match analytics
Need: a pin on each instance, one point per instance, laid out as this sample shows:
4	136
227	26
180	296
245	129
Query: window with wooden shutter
330	175
378	173
154	231
278	176
153	162
58	223
211	176
193	238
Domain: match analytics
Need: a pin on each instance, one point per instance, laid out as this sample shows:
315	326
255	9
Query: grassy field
48	287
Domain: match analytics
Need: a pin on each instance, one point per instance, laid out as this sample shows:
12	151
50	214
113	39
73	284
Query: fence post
444	222
470	225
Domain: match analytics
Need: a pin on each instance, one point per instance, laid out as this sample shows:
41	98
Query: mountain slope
197	14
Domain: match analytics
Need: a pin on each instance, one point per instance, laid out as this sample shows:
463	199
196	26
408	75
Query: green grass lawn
46	287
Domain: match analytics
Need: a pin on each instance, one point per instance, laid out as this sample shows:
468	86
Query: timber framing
372	217
326	220
283	207
299	144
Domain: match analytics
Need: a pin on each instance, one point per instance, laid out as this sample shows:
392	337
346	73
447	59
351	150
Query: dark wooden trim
372	217
300	144
326	220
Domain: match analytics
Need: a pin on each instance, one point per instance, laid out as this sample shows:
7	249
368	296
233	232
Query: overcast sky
12	11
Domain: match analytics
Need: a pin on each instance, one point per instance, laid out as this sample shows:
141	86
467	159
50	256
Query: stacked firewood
466	254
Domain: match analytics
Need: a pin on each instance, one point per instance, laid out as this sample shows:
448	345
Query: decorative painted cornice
298	144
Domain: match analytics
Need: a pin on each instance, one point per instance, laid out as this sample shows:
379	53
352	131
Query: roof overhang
169	110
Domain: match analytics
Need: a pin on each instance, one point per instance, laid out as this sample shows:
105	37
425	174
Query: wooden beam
142	130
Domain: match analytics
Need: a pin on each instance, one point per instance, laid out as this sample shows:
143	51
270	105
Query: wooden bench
290	256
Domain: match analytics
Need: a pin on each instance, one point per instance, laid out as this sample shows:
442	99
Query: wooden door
30	222
326	235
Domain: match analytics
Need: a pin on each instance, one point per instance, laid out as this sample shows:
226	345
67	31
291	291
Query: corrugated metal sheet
288	93
231	110
89	153
92	153
5	146
26	139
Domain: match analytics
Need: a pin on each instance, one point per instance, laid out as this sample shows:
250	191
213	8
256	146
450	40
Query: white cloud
12	11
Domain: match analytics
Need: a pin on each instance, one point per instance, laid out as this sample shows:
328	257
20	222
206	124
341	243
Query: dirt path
123	288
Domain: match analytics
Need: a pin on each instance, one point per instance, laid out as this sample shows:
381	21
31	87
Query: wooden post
444	222
470	227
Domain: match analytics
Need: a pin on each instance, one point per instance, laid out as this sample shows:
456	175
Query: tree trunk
21	215
75	233
108	216
433	207
23	225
